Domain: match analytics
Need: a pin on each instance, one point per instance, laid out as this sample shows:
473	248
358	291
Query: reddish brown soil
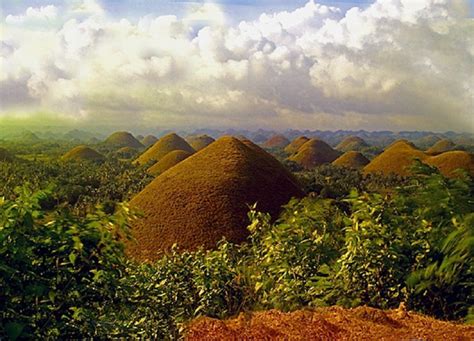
332	323
296	144
276	141
351	159
314	153
164	145
205	198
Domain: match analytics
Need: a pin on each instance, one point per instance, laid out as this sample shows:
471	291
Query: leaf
14	329
72	257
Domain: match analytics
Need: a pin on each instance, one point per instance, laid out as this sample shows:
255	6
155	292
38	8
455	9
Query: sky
272	64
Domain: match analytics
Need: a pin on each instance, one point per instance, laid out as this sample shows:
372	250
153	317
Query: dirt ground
332	323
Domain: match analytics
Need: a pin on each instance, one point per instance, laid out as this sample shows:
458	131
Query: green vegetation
67	275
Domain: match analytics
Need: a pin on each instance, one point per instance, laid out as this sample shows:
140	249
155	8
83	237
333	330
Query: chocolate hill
122	139
200	142
441	146
296	144
396	159
82	153
149	140
351	159
276	141
449	162
6	156
169	160
426	141
314	153
164	145
205	198
352	143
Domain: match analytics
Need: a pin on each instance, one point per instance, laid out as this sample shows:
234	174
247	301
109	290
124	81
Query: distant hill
276	141
396	159
314	152
444	145
82	153
296	144
122	139
427	141
169	160
205	198
149	140
163	146
354	143
80	135
351	159
200	141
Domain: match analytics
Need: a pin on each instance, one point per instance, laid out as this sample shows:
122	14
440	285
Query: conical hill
121	139
82	153
314	153
205	198
163	146
351	159
169	160
296	144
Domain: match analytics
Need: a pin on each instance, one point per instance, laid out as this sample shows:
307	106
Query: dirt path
333	323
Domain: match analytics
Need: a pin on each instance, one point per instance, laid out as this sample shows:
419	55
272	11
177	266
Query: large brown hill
122	139
205	198
352	143
296	144
276	141
164	145
200	142
449	162
314	153
351	159
169	160
82	153
396	159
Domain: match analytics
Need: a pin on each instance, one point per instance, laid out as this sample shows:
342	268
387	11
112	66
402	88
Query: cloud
33	15
398	64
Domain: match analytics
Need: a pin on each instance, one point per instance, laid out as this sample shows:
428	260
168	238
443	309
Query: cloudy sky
274	64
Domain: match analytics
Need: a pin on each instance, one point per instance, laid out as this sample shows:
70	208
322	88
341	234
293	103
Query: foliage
57	272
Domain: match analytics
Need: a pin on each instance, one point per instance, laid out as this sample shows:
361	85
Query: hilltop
352	143
444	145
121	139
449	162
351	159
82	153
313	153
396	159
296	144
149	140
200	142
276	141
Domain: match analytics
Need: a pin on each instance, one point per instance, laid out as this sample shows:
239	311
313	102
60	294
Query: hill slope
205	198
121	139
449	162
441	146
352	143
200	142
169	160
149	140
296	144
276	141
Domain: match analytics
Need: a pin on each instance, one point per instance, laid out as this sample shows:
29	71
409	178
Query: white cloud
33	15
397	64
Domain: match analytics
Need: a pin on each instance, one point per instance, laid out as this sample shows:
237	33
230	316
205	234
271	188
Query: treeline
67	276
